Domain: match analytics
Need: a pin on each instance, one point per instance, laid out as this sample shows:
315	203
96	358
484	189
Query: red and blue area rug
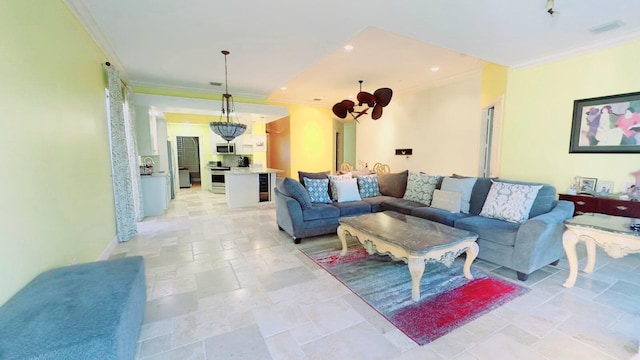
448	300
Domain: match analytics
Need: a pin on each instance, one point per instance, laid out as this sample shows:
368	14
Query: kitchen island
249	186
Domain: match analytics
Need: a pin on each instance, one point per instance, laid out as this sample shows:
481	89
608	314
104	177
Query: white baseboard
109	249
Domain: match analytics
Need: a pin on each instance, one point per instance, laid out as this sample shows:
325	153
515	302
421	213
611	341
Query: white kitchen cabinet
156	193
244	142
146	132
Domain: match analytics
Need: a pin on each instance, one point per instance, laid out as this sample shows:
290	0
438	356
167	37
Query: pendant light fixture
226	127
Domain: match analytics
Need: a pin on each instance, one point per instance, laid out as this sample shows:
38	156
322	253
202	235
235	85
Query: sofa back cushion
463	186
295	190
478	194
393	184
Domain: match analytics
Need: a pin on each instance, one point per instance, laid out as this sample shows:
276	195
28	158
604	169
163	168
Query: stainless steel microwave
225	148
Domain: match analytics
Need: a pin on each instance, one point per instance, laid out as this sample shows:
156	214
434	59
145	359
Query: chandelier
225	127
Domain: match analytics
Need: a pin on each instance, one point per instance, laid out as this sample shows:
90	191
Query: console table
603	205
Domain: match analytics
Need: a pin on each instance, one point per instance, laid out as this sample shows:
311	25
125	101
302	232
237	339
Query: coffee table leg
343	240
569	241
471	252
416	269
590	244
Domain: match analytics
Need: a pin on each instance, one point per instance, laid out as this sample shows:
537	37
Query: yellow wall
494	83
312	138
57	197
539	110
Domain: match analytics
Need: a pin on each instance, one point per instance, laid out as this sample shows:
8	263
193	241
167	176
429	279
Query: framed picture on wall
608	124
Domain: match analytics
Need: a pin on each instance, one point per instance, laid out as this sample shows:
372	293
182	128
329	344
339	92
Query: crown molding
83	15
195	89
619	40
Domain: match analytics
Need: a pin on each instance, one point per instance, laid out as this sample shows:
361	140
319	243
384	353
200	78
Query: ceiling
288	43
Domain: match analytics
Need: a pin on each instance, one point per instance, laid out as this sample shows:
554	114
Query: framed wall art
608	124
587	185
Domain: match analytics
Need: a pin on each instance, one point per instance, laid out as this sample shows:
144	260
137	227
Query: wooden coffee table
411	239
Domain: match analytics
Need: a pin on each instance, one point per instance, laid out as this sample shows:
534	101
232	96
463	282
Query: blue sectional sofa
86	311
522	246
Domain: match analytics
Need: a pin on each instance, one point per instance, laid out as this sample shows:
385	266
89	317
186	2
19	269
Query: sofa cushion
478	194
333	192
393	184
438	215
377	201
347	191
320	211
318	190
464	186
510	202
420	187
494	230
544	202
312	175
446	200
353	208
368	186
297	191
400	205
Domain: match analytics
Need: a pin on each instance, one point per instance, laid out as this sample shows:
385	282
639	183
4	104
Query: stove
217	178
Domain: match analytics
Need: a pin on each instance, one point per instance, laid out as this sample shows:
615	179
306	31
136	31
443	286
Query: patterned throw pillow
318	190
332	183
510	202
420	187
368	185
447	200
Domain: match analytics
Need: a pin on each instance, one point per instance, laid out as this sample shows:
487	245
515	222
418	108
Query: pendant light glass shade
226	127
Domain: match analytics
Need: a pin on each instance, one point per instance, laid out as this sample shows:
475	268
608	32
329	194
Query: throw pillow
368	185
393	184
464	186
510	202
298	192
447	200
348	190
420	187
333	192
310	175
318	190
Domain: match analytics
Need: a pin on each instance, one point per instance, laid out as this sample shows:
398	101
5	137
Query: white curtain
123	160
134	164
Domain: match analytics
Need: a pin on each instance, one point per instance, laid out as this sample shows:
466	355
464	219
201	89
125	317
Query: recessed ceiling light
284	88
348	47
435	68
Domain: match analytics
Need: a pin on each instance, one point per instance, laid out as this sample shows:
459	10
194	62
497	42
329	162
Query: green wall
539	109
57	197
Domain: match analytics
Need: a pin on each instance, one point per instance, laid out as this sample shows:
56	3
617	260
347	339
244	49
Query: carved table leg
343	239
471	252
416	269
569	241
591	253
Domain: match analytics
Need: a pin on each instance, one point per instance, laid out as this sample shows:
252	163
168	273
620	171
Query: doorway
188	148
491	133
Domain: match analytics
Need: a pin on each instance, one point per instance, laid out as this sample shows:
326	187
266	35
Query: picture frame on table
607	124
587	185
605	187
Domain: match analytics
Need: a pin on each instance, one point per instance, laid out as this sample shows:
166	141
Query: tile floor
227	284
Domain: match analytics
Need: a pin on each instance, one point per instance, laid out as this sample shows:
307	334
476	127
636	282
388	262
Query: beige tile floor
227	284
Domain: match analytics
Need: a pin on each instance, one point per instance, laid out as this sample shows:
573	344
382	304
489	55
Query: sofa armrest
288	213
539	239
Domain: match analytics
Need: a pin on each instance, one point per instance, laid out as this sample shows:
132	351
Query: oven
217	179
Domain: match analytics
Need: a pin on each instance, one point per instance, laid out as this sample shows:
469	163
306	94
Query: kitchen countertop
249	171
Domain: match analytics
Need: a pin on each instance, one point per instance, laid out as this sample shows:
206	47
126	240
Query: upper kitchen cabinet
147	131
244	142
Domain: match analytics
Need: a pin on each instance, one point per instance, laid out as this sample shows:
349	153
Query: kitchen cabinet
156	193
146	132
603	205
